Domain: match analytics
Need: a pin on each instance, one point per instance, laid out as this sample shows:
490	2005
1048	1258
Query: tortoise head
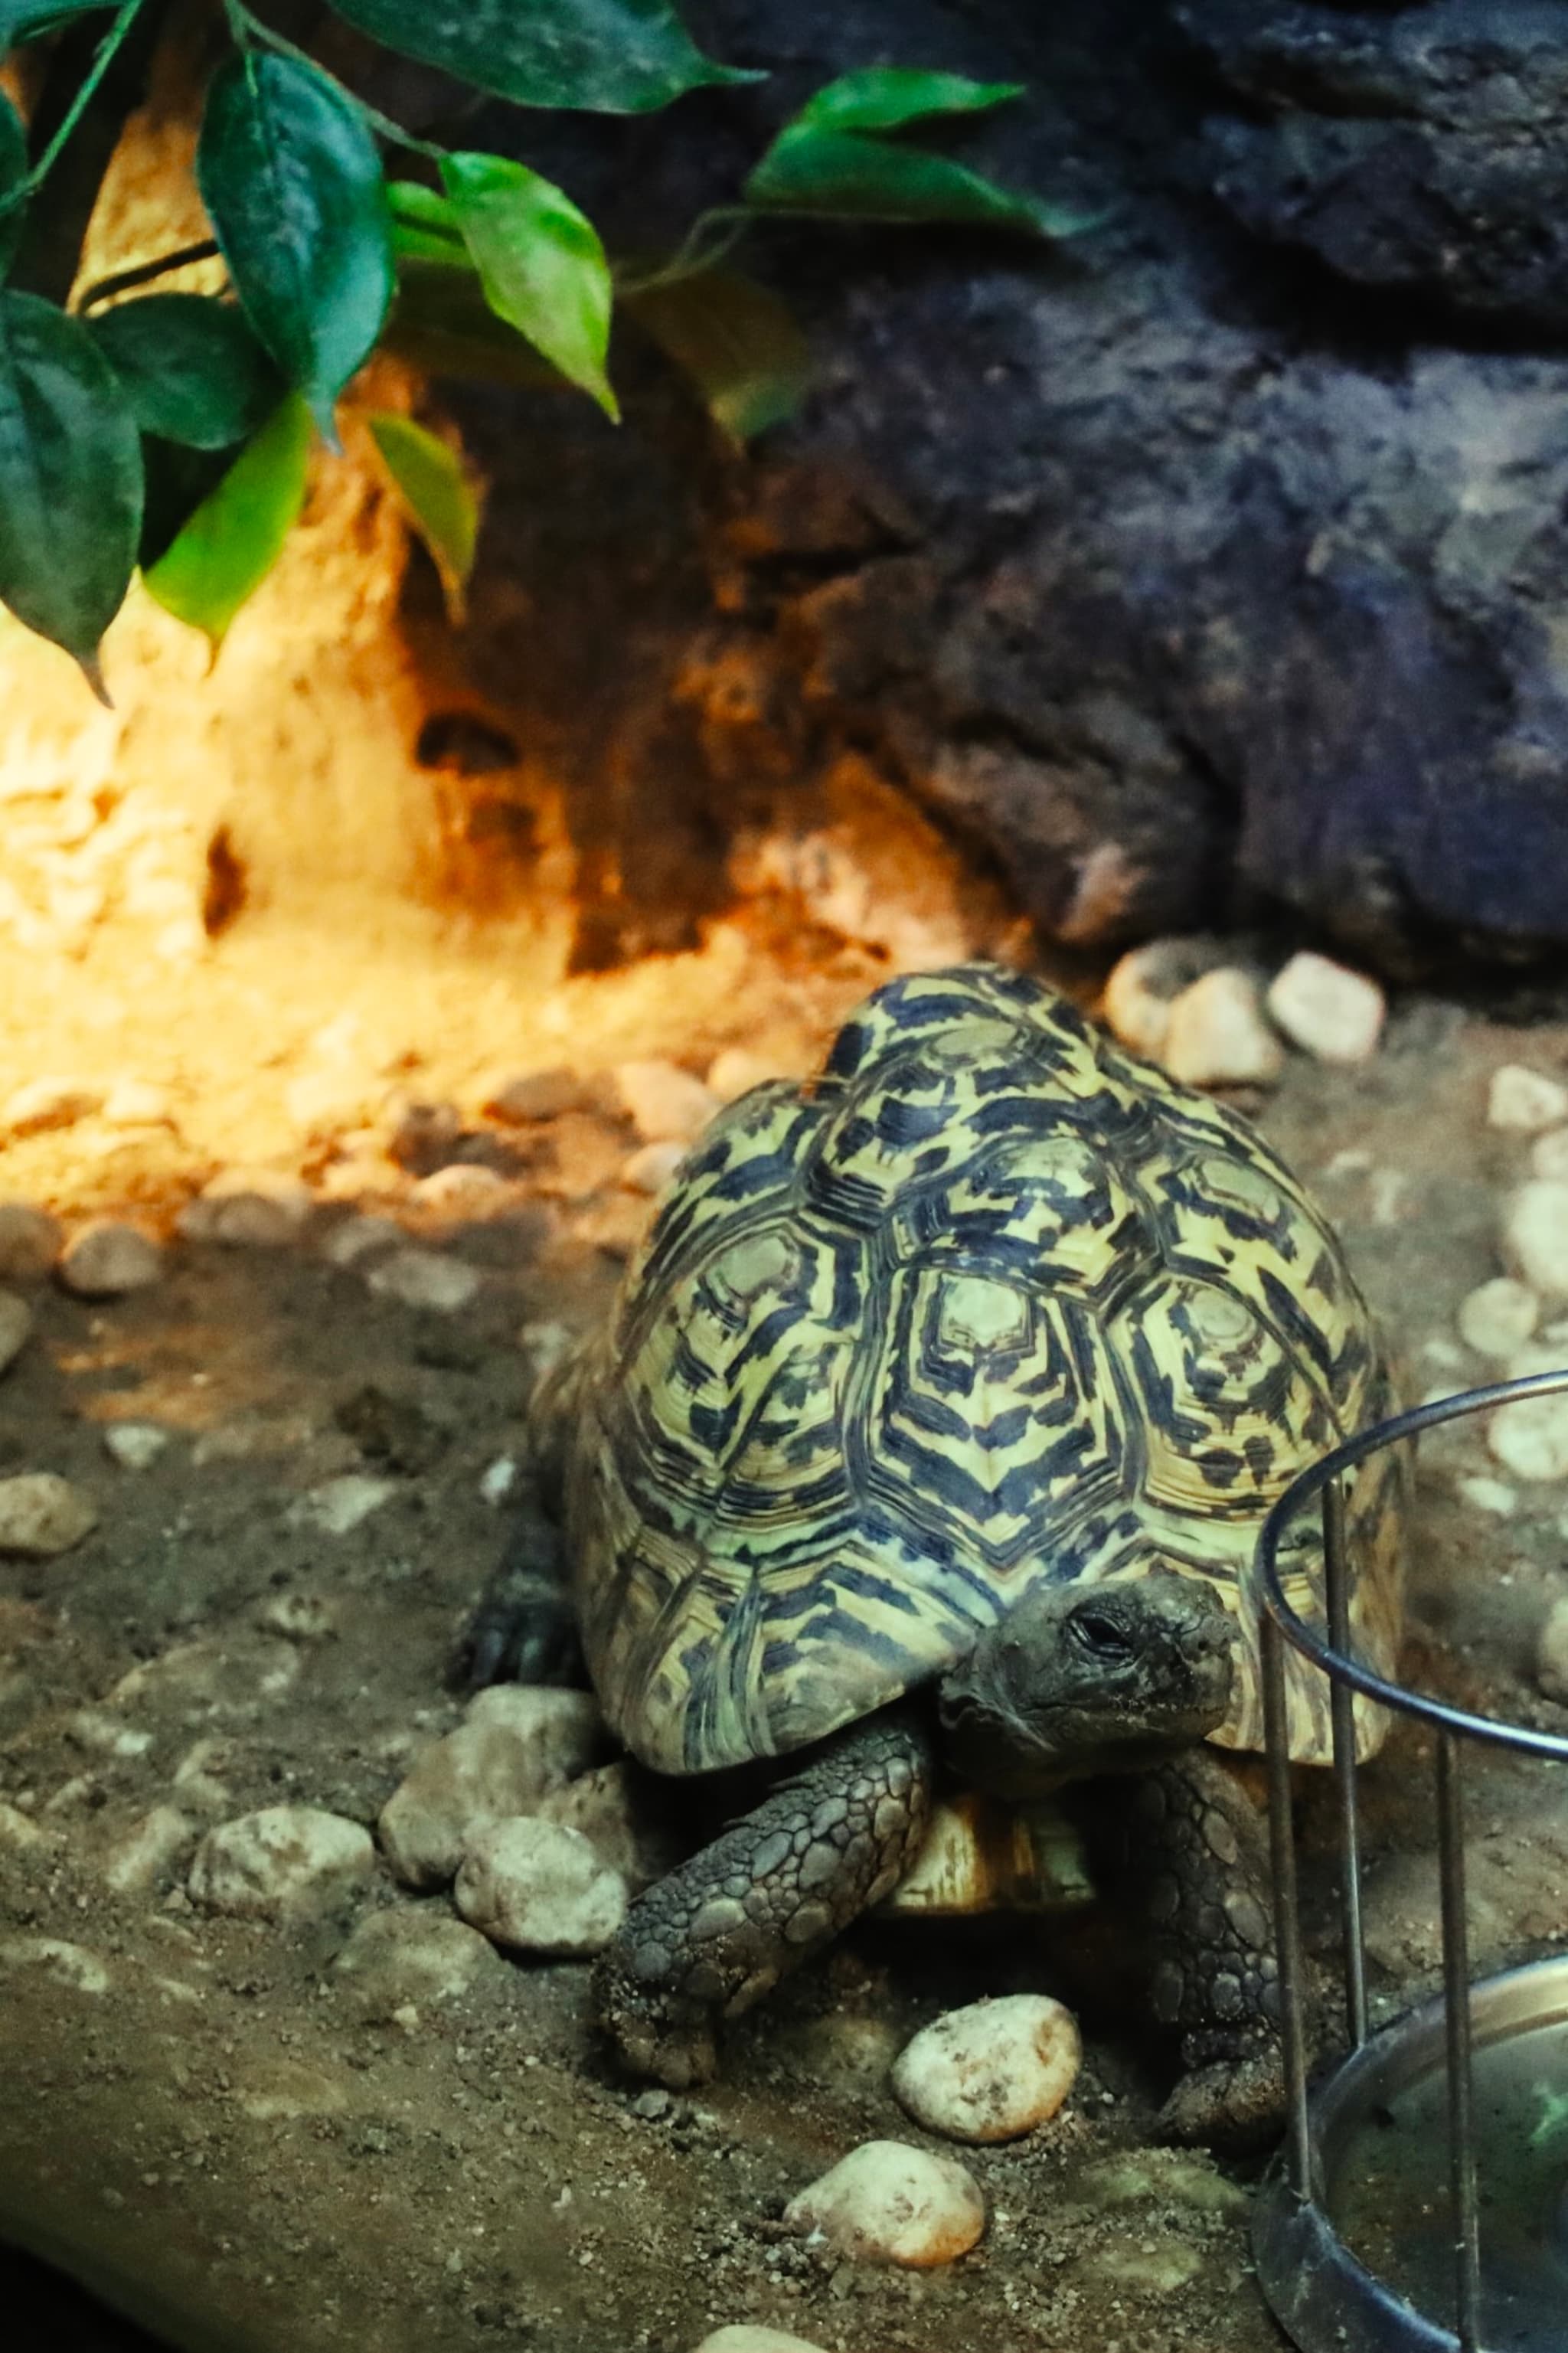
1096	1679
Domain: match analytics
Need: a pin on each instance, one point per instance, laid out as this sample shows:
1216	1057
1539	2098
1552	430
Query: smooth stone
419	1278
1144	984
991	2071
42	1515
30	1241
1497	1317
1535	1236
743	2338
1549	1155
16	1324
152	1846
630	1835
256	1209
339	1506
70	1965
108	1258
887	2202
651	1167
1525	1101
735	1071
1154	2265
1484	1494
537	1094
540	1888
45	1103
278	1863
664	1103
516	1746
1529	1438
1551	1651
1331	1012
135	1445
136	1102
462	1188
412	1954
355	1238
1219	1037
1164	2177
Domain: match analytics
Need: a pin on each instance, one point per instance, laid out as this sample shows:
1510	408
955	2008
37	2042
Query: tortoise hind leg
715	1935
1189	1848
523	1629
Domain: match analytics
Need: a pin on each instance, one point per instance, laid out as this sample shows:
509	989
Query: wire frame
1330	1648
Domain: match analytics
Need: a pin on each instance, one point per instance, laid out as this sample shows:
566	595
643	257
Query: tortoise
928	1442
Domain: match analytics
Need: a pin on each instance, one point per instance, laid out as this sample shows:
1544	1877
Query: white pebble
1331	1013
1143	986
664	1103
650	1168
256	1209
540	1888
1497	1317
67	1964
1535	1236
991	2071
537	1094
283	1861
16	1324
515	1745
107	1259
634	1838
1484	1494
499	1481
463	1187
134	1103
745	2338
339	1506
353	1239
30	1241
1529	1438
1217	1036
887	2202
140	1856
736	1070
42	1515
411	1954
44	1103
1525	1101
425	1278
1551	1651
1549	1155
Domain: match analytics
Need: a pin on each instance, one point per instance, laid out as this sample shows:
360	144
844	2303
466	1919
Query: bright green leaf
190	367
292	180
21	20
13	172
539	262
71	480
884	98
236	536
610	56
441	322
848	177
424	225
440	499
740	347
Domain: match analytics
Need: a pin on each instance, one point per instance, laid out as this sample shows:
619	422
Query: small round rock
42	1515
664	1103
651	1166
746	2338
1144	984
1529	1437
16	1324
992	2071
889	2203
1331	1013
30	1241
421	1278
1551	1652
256	1208
107	1259
279	1863
540	1888
1549	1154
135	1445
1217	1035
1525	1101
1535	1236
1497	1317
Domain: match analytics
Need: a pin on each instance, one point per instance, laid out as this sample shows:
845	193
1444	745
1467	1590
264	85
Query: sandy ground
198	2117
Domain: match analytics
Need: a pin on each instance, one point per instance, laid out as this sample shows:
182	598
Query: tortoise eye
1098	1632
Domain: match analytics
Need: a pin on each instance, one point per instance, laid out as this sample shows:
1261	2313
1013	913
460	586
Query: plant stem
104	290
89	93
247	28
690	258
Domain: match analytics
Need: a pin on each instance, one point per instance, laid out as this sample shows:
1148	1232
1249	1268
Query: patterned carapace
988	1302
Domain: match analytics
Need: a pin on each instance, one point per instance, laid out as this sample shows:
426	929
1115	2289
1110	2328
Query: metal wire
1342	1705
1457	2022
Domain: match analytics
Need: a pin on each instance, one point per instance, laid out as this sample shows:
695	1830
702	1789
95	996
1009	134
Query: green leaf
178	479
884	98
190	367
609	57
71	480
234	537
441	322
440	500
292	180
13	172
21	20
740	347
539	262
852	177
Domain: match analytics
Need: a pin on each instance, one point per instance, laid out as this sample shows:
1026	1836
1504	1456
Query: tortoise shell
988	1302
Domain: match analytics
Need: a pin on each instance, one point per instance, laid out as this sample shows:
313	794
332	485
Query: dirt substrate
200	2118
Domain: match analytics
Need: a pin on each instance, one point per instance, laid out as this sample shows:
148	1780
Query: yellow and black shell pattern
989	1301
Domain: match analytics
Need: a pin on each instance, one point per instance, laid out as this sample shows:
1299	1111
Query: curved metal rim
1316	1647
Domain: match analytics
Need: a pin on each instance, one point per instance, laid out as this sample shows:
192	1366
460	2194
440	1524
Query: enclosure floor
198	2120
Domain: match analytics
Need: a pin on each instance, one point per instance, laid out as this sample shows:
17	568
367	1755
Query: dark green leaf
292	180
71	480
178	479
190	367
539	262
884	98
234	537
20	20
610	56
848	177
742	348
440	499
12	172
441	322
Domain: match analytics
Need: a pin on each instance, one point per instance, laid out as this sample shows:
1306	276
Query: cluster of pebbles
1213	1023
